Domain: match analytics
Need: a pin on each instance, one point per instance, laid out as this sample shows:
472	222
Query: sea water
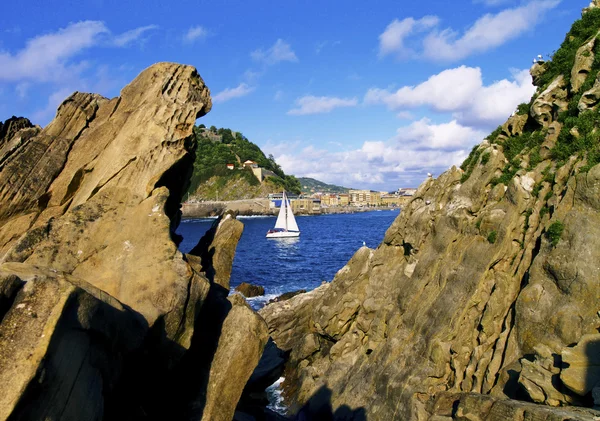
325	245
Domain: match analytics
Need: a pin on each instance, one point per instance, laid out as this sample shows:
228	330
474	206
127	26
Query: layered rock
102	316
483	294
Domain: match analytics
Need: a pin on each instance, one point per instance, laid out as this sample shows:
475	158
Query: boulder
250	290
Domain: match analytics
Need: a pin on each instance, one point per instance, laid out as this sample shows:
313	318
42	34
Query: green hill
218	147
311	185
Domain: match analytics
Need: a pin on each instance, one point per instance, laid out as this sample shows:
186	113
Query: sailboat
285	226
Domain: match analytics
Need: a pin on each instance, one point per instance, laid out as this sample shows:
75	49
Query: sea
325	245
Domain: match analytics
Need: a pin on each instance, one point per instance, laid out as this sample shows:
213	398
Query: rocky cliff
482	302
101	316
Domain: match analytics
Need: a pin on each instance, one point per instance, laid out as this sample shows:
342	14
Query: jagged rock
249	290
584	59
110	168
110	318
554	99
218	255
536	72
11	126
590	98
582	373
515	124
438	306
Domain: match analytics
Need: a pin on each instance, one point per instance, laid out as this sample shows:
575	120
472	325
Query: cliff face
101	316
485	288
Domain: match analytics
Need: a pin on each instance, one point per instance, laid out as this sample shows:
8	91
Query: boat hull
283	234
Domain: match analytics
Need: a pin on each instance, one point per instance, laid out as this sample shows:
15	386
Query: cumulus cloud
46	57
280	51
320	104
486	33
195	33
242	89
461	91
392	39
401	161
489	31
128	37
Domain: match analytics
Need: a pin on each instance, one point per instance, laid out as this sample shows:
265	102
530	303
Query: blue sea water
325	245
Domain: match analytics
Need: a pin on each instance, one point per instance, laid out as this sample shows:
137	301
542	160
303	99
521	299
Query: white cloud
486	33
461	91
318	105
392	39
403	160
449	136
195	33
489	31
225	95
280	51
130	36
46	57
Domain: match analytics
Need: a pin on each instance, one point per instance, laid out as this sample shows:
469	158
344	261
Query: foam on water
274	393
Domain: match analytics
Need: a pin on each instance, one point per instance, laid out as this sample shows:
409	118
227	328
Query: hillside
218	147
481	302
311	185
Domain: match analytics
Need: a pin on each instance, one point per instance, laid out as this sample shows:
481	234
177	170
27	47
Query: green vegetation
523	108
485	158
536	189
544	211
554	232
563	59
494	135
492	237
221	147
586	141
469	164
310	184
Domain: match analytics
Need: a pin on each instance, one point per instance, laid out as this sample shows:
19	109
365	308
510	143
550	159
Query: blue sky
361	94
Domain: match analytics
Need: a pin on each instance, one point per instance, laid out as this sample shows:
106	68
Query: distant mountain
312	185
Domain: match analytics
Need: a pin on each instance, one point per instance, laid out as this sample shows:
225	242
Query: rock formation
482	300
250	290
102	317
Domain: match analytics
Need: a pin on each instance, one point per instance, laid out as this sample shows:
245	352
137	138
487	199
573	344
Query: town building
364	198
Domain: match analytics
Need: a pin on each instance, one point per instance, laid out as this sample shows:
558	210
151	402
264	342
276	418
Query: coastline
259	207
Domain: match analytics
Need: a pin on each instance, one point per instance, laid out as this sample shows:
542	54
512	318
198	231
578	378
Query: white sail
281	218
290	220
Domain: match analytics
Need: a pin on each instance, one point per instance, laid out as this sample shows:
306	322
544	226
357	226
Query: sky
360	94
